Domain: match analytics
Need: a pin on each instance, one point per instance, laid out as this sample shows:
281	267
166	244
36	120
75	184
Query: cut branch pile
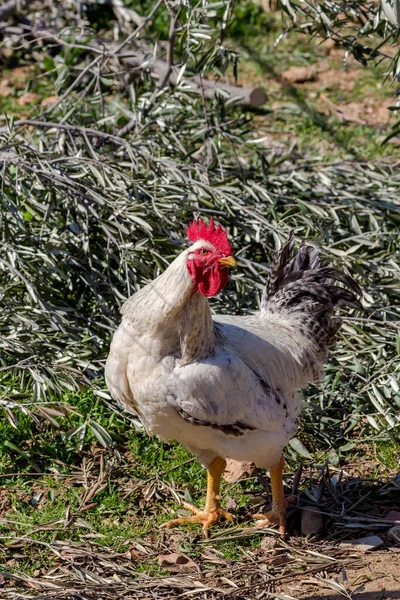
164	71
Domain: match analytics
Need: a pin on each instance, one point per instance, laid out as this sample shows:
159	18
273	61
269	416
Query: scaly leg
212	510
277	516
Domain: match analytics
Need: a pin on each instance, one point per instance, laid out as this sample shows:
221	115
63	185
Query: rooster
226	386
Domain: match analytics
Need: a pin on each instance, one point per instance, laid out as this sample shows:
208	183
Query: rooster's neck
169	308
196	329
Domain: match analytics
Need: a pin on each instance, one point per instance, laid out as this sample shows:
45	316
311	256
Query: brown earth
378	579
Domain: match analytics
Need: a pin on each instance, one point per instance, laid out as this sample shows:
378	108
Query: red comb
198	230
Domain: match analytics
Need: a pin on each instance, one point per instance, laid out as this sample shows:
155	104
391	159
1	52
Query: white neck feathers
168	307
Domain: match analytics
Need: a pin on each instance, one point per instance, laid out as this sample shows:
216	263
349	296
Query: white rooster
226	386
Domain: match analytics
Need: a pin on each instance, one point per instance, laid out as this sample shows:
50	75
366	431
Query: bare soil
377	579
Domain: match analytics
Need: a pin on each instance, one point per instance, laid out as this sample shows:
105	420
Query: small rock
394	534
231	504
236	470
6	88
176	563
49	101
28	98
299	74
393	515
394	141
365	544
269	543
311	522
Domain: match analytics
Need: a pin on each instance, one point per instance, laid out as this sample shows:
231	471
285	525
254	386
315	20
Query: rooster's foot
208	518
276	516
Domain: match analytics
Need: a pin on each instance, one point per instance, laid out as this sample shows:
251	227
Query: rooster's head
209	257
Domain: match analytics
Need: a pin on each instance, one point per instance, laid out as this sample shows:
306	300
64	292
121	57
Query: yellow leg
212	510
277	516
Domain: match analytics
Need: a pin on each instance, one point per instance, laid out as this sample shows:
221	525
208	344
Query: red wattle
209	281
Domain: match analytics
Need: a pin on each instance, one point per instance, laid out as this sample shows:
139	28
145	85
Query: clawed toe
272	518
207	518
276	516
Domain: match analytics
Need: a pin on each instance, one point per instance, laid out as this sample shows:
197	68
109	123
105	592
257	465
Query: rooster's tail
305	286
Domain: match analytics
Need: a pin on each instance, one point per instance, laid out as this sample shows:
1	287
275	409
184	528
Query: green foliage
361	27
55	432
249	20
364	29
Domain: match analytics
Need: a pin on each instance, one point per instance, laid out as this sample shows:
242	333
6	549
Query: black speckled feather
305	284
235	429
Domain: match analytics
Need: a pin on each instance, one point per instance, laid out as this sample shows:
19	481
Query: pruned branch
163	81
250	97
164	71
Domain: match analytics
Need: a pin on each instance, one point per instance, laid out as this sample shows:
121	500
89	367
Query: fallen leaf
135	555
311	522
176	563
231	504
236	470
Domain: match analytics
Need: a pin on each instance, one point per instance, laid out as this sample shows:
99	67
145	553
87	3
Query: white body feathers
222	386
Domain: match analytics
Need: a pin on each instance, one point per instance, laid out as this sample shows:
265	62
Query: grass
304	114
135	498
135	501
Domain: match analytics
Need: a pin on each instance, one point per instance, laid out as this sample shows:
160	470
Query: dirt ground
378	579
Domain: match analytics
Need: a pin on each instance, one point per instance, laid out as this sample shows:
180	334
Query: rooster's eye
203	251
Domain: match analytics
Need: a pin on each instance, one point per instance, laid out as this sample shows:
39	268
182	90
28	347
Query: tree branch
164	79
252	97
72	128
164	71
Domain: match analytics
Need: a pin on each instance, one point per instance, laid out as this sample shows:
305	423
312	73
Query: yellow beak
227	261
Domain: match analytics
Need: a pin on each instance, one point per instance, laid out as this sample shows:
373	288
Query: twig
124	13
73	85
170	50
135	33
164	81
64	126
252	97
356	517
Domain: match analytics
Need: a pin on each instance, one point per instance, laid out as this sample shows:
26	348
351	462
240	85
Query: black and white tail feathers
304	284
